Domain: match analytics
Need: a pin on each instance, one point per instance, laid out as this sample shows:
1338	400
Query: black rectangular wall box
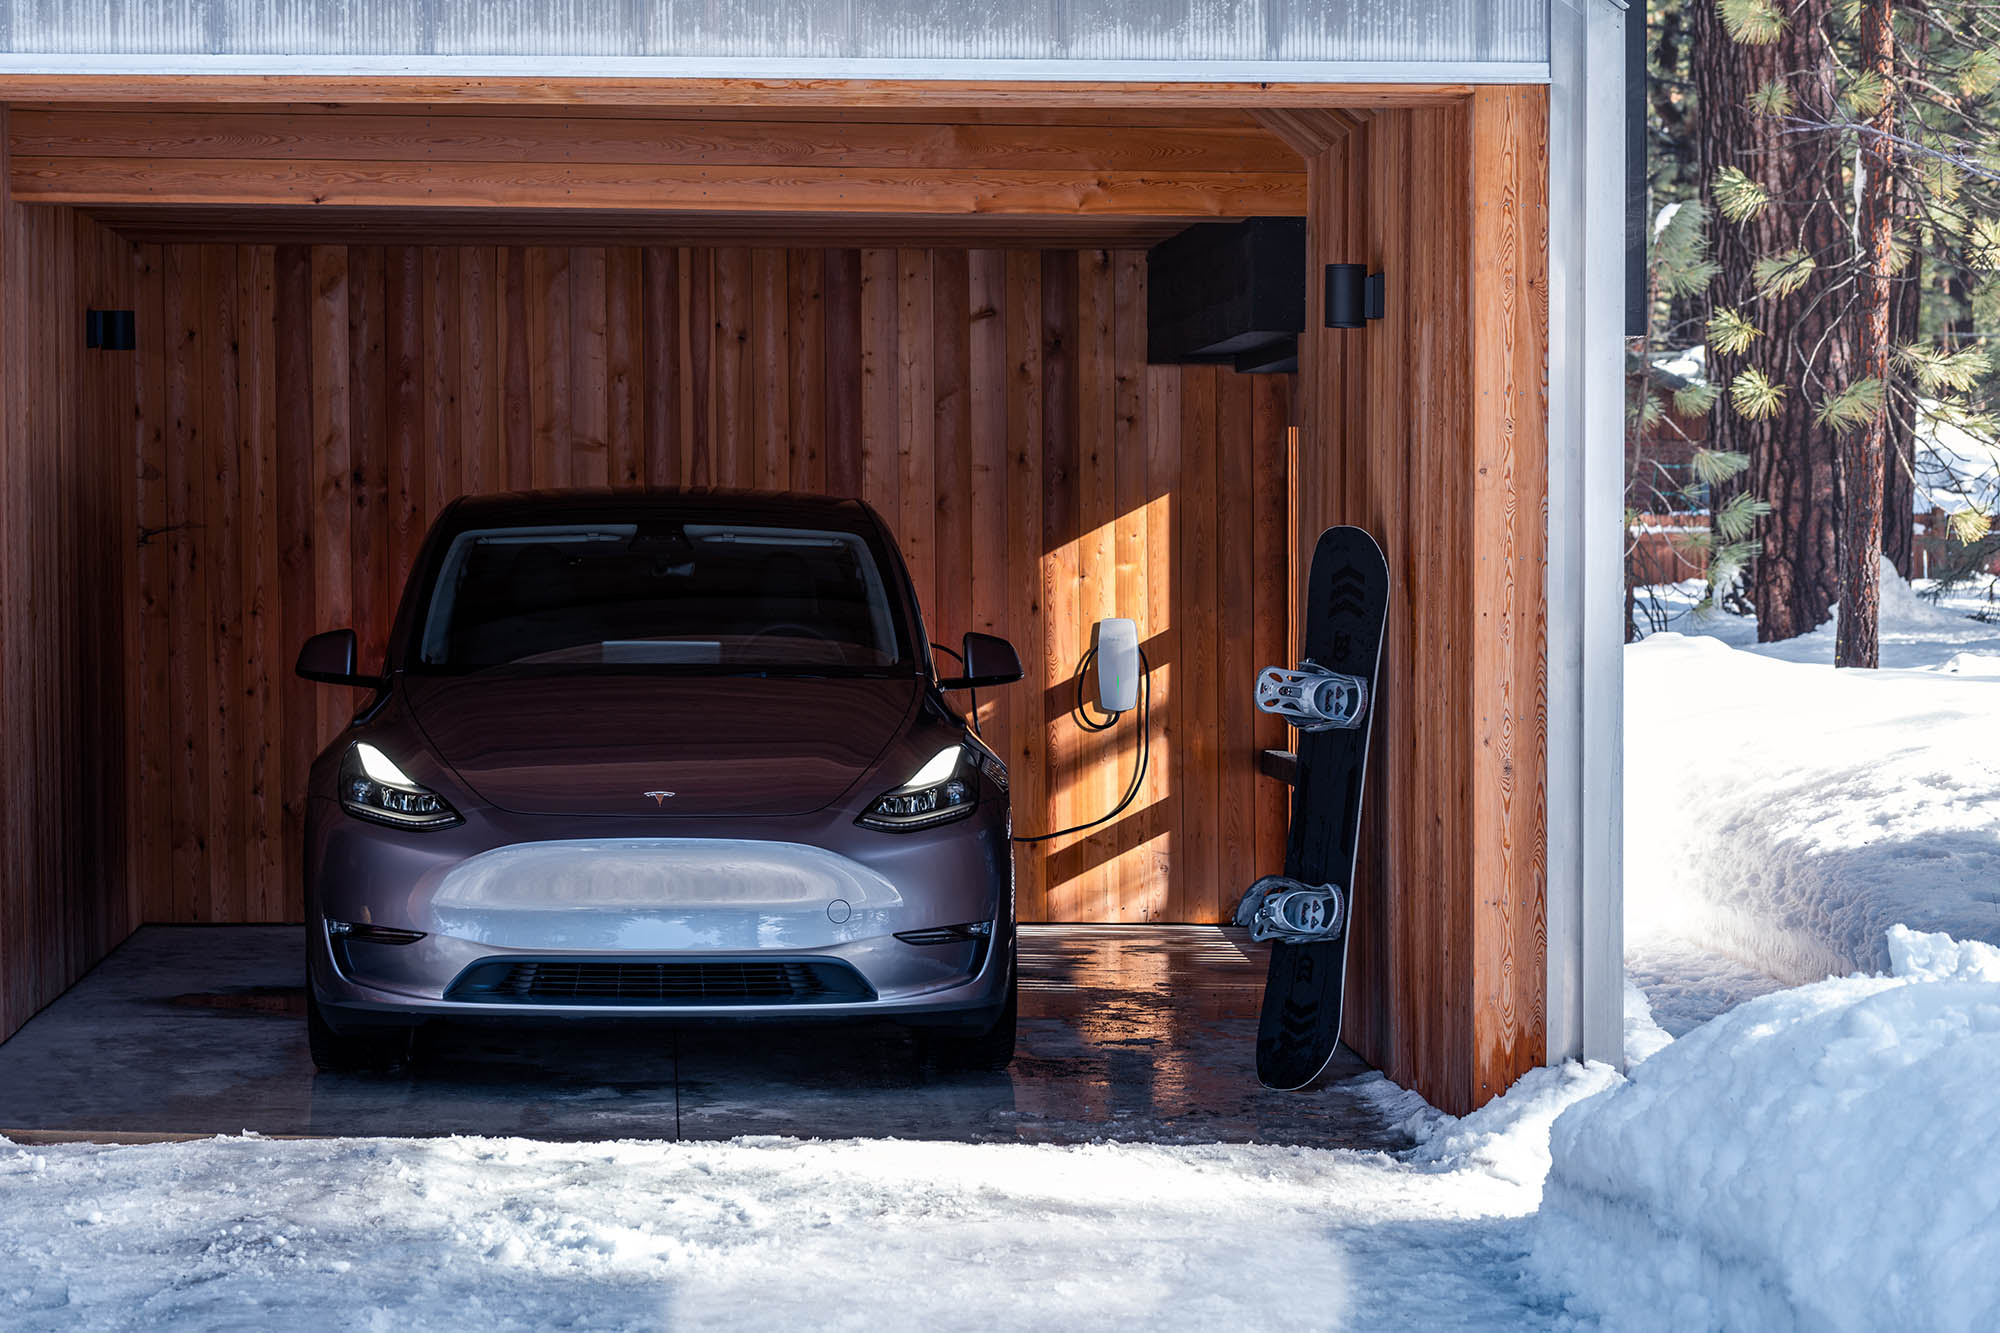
1226	291
110	330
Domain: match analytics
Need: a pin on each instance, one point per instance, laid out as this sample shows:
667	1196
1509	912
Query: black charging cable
1088	723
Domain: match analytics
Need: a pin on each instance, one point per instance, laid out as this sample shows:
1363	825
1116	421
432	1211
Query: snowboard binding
1313	698
1278	908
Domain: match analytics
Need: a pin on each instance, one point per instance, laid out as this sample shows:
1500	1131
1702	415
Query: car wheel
370	1052
985	1050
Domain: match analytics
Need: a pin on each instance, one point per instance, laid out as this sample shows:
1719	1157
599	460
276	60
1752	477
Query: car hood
660	746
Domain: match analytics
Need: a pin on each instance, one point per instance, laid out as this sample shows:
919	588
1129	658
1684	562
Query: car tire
986	1050
364	1053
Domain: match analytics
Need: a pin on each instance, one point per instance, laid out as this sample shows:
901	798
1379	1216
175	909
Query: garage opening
345	317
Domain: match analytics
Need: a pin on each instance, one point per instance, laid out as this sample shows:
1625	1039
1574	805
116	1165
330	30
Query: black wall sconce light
1353	295
110	330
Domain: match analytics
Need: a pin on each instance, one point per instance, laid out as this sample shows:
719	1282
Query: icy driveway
507	1233
1137	1033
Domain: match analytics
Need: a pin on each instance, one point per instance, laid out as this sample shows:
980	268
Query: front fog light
373	787
939	792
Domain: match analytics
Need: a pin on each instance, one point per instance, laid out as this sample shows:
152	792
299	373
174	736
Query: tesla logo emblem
660	797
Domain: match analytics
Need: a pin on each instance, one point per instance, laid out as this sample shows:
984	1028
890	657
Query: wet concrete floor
1127	1032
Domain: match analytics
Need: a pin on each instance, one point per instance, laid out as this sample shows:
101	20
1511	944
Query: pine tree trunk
1793	463
1864	451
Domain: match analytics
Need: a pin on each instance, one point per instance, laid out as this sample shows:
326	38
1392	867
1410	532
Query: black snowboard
1347	597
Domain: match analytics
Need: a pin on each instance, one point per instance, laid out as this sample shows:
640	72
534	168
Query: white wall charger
1117	643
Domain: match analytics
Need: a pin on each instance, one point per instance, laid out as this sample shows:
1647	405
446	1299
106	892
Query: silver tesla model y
662	755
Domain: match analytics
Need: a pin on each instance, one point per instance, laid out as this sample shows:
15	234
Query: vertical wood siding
1447	969
65	515
305	412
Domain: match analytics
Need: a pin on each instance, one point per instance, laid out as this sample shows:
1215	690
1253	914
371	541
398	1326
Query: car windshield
662	595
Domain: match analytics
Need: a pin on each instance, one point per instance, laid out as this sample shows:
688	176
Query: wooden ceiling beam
614	186
689	139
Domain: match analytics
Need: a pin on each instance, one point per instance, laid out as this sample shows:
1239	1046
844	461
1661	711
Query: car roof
778	508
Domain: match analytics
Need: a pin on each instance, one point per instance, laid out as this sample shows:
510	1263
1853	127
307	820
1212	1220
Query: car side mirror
330	659
989	660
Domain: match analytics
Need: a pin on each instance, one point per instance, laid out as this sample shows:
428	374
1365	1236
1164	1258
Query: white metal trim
1603	390
1585	909
1563	886
778	71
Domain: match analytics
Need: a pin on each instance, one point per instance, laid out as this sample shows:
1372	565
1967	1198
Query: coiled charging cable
1084	720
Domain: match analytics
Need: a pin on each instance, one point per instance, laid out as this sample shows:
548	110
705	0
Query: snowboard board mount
1306	912
1277	908
1313	698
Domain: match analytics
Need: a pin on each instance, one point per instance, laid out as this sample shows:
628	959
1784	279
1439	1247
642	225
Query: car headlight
373	787
944	789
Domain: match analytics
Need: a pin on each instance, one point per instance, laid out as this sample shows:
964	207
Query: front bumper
501	888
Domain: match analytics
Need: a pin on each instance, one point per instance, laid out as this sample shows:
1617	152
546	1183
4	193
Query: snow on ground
1684	985
1781	815
1820	1158
508	1234
1918	632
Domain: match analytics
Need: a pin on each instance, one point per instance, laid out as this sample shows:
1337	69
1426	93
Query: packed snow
877	1234
1819	1158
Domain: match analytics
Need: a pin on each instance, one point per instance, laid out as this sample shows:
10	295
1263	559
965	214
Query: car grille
565	981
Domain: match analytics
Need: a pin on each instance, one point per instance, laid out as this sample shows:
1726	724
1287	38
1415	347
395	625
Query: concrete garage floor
1135	1033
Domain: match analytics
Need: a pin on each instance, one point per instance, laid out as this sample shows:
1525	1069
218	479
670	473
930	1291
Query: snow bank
1788	814
1508	1138
1822	1158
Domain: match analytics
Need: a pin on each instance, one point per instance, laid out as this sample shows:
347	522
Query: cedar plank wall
309	409
65	451
1447	971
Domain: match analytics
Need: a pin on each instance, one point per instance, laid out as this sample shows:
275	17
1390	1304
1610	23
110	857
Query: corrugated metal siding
1495	31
